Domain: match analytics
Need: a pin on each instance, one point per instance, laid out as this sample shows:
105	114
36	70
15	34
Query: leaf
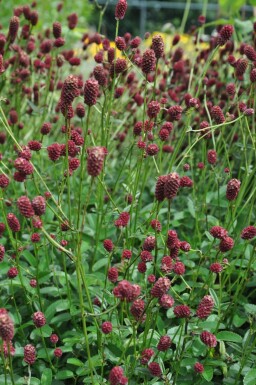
62	374
46	331
208	373
191	208
29	258
250	377
75	361
56	306
229	336
46	377
238	321
231	6
99	264
250	308
215	297
246	26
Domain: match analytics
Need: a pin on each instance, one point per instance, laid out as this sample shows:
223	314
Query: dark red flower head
225	34
91	90
120	10
148	61
95	160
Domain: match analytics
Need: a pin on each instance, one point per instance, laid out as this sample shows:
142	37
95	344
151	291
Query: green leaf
208	373
56	306
75	361
250	308
29	258
62	374
250	378
238	321
191	208
246	26
45	330
99	264
46	377
215	297
229	336
231	6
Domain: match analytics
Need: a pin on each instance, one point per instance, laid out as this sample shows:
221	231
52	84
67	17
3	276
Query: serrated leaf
63	374
229	336
250	377
46	378
207	373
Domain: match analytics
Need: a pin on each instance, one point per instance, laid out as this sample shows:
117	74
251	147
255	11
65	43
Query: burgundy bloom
153	109
164	343
218	232
161	287
216	267
158	46
113	274
4	181
146	354
54	338
185	181
29	354
6	326
171	185
58	352
226	244
72	21
120	9
148	61
39	205
137	308
182	311
166	301
208	339
12	272
13	28
126	291
106	327
248	232
225	34
198	367
108	245
91	91
233	188
39	319
175	113
123	219
95	160
179	268
217	114
205	307
212	157
155	369
13	222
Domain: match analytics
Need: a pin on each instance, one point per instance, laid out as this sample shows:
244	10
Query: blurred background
142	15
